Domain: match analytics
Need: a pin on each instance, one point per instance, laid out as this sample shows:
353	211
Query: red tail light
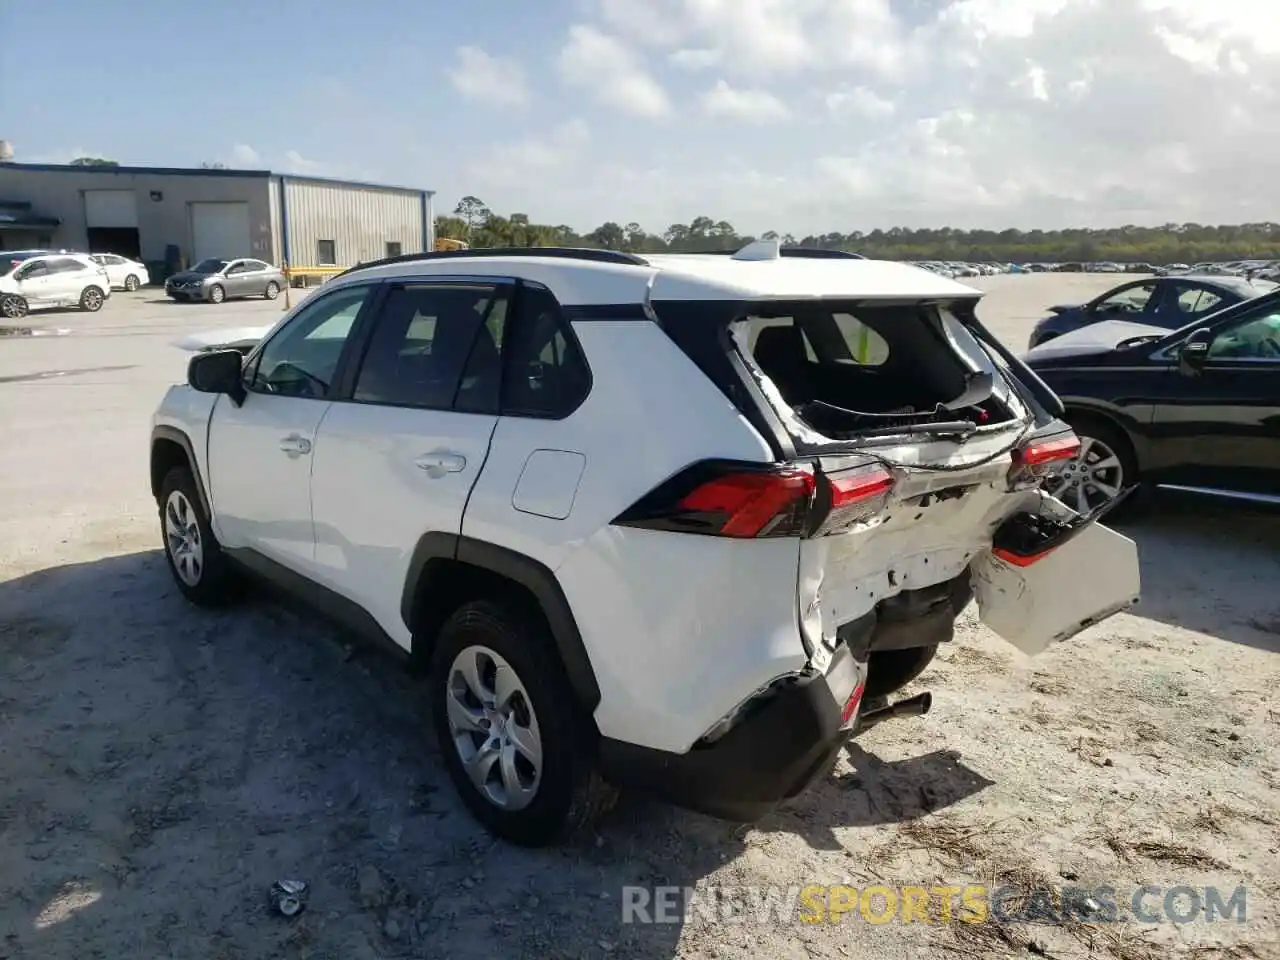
851	705
1033	461
856	495
745	500
726	499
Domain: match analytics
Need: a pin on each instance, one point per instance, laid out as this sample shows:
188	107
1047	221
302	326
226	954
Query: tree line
473	222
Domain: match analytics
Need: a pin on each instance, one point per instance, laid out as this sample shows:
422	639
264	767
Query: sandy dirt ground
161	766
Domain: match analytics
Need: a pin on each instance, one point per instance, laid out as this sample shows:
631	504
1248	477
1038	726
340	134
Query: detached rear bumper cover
769	757
1042	598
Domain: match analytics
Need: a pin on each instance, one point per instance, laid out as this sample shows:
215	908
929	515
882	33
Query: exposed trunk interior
851	369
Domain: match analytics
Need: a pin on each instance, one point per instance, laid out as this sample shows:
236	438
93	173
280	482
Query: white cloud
512	165
964	112
596	62
488	79
294	162
748	106
243	155
859	102
695	58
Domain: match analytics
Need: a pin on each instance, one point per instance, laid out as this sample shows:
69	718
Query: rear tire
272	291
195	558
497	688
92	299
131	283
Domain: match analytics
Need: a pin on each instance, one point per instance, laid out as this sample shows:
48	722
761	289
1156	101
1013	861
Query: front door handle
438	464
294	445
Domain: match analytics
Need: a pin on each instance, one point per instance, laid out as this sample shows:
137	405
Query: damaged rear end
909	446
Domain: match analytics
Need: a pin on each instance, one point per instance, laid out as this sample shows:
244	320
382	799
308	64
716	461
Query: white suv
678	523
51	280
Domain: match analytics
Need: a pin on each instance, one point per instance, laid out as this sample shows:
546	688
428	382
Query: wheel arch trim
174	435
519	568
1074	408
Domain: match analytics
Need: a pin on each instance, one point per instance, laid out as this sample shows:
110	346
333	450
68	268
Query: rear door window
545	374
432	346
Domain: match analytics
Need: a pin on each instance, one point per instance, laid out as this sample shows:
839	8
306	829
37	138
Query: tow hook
916	706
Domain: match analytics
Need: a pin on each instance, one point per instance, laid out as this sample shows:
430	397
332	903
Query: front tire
13	307
92	299
131	283
517	745
217	294
272	291
196	561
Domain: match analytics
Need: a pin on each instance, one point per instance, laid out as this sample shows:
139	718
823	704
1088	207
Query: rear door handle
294	444
438	464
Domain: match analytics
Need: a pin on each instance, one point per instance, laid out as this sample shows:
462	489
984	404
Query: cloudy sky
794	115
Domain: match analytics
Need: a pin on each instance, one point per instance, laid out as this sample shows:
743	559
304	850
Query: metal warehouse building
151	213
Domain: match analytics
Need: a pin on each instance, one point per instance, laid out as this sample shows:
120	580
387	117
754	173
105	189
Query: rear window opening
851	370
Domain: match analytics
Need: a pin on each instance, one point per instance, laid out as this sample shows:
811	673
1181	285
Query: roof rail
805	253
557	253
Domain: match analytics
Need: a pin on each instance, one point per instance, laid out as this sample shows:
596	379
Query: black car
1168	302
1197	409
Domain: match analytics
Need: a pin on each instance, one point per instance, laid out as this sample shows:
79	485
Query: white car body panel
262	493
231	336
1090	577
371	500
1095	338
666	670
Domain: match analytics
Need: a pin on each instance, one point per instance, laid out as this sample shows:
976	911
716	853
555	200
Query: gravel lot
162	766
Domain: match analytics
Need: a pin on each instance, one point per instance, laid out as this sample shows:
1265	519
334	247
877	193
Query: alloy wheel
182	538
1095	477
494	728
13	308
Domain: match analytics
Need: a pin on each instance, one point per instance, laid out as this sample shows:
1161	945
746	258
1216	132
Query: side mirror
218	371
1195	352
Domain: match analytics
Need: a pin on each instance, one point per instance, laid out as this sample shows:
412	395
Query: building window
326	253
393	248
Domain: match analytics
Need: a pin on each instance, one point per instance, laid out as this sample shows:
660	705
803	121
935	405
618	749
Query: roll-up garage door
111	208
220	230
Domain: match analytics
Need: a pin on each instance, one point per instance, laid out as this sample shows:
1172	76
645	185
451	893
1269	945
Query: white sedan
125	274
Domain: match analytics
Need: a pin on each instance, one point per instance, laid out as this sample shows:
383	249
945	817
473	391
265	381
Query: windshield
209	266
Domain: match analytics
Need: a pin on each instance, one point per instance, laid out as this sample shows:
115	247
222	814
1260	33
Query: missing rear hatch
851	370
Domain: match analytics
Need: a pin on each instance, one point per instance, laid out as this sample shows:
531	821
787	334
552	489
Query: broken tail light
729	499
1039	456
856	495
747	501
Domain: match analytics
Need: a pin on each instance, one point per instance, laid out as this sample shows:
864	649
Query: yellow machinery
448	243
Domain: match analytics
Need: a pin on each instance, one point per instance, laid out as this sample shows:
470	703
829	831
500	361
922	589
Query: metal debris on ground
289	896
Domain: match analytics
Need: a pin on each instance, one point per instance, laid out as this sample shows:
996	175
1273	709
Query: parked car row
1169	302
36	279
1169	382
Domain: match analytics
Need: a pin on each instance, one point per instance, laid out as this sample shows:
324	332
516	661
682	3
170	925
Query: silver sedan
216	280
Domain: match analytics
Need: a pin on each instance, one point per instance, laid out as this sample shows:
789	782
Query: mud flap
1051	573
